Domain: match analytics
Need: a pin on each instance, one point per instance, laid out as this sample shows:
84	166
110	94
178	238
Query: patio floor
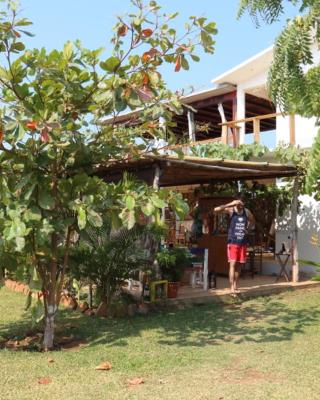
260	285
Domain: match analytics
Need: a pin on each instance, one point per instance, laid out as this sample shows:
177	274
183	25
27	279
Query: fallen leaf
105	366
44	381
135	381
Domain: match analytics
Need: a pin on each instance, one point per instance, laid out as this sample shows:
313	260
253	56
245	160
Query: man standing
241	220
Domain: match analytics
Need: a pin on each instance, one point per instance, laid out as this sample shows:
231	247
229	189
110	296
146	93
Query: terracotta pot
173	289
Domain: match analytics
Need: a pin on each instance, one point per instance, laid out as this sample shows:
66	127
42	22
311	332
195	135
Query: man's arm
226	208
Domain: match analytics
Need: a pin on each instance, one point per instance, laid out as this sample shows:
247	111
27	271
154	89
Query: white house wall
309	215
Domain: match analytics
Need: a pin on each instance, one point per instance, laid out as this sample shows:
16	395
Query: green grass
266	348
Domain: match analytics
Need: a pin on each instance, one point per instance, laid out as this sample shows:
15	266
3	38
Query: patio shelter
171	171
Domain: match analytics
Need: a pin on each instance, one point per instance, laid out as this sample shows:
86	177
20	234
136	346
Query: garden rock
68	302
83	307
102	310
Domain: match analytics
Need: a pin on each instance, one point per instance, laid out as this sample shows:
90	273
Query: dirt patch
32	342
245	376
71	343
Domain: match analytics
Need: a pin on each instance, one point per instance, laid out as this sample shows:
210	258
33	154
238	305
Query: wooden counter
217	246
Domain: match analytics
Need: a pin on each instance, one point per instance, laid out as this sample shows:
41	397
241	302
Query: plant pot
173	289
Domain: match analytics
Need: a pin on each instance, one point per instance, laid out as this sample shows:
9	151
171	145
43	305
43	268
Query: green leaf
20	243
195	57
211	28
32	214
4	73
105	96
157	202
46	201
23	22
184	63
22	183
94	218
111	64
82	218
68	50
131	219
17	46
148	209
154	78
130	202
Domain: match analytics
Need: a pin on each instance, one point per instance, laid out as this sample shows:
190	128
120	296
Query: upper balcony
213	116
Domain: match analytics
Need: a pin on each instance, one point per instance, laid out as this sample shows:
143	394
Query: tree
52	140
295	73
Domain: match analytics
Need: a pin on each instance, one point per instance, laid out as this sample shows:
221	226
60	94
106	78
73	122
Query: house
237	110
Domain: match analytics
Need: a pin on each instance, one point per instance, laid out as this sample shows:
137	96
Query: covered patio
172	172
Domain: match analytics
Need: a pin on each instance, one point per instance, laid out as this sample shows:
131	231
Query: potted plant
172	262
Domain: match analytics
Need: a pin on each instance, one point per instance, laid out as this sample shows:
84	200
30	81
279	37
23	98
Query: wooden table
283	259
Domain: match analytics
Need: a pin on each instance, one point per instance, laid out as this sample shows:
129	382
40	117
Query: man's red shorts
237	253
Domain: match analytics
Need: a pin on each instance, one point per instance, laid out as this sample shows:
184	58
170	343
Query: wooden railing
235	128
230	132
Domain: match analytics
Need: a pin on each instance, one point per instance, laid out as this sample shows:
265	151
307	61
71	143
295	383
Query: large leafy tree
294	78
52	139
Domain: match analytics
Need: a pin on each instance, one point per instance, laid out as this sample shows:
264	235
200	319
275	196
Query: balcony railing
230	132
232	128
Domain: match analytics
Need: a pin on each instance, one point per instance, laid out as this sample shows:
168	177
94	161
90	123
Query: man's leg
232	271
237	272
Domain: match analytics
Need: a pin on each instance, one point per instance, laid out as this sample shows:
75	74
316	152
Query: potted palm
172	262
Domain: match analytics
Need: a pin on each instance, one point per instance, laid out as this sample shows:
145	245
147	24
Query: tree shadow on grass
267	319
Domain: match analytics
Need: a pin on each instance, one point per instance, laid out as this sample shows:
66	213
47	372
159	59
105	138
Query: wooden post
191	126
294	231
256	130
292	129
156	177
224	130
224	134
205	270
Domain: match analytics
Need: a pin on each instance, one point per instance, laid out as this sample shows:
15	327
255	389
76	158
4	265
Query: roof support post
224	131
241	113
292	129
294	231
256	130
155	244
191	126
156	177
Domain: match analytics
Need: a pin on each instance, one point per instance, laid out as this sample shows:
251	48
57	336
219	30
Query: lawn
265	348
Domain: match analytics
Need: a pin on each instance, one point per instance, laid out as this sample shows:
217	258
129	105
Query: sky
56	21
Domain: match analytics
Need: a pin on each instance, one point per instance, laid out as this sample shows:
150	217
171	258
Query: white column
241	113
191	126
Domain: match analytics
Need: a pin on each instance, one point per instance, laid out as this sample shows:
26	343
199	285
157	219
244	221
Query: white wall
304	127
308	226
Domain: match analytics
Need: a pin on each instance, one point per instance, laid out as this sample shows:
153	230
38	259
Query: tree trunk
51	298
48	339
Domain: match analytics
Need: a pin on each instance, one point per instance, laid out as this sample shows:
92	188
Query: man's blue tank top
237	228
